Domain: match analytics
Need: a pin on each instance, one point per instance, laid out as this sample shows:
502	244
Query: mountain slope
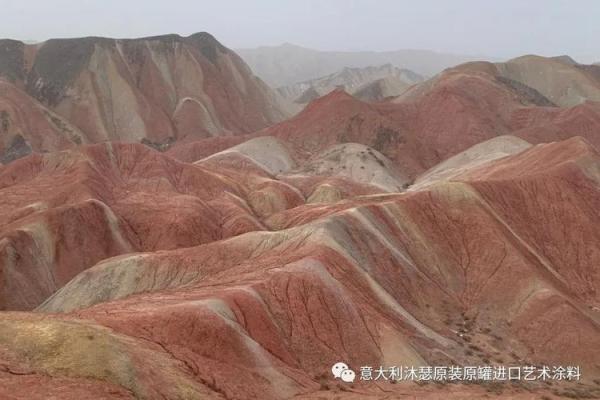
381	89
420	278
547	81
352	80
479	154
110	198
157	89
456	224
560	79
25	125
435	119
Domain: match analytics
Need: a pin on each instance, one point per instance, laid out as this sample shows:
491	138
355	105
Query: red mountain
455	225
154	90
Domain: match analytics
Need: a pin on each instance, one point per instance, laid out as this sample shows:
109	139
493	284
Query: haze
495	29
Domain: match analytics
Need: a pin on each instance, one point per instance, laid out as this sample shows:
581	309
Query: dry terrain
166	232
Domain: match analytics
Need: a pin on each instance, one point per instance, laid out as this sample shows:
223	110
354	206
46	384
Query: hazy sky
493	28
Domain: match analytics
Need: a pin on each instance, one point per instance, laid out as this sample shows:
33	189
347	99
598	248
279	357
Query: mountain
381	89
155	90
547	80
445	115
361	82
25	123
479	154
560	79
457	109
454	225
424	277
289	64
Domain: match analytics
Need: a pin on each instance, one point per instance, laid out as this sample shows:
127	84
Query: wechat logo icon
341	371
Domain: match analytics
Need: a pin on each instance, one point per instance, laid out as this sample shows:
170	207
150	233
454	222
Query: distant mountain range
369	83
288	64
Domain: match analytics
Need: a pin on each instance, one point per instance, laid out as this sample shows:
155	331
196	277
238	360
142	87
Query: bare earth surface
154	90
457	224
